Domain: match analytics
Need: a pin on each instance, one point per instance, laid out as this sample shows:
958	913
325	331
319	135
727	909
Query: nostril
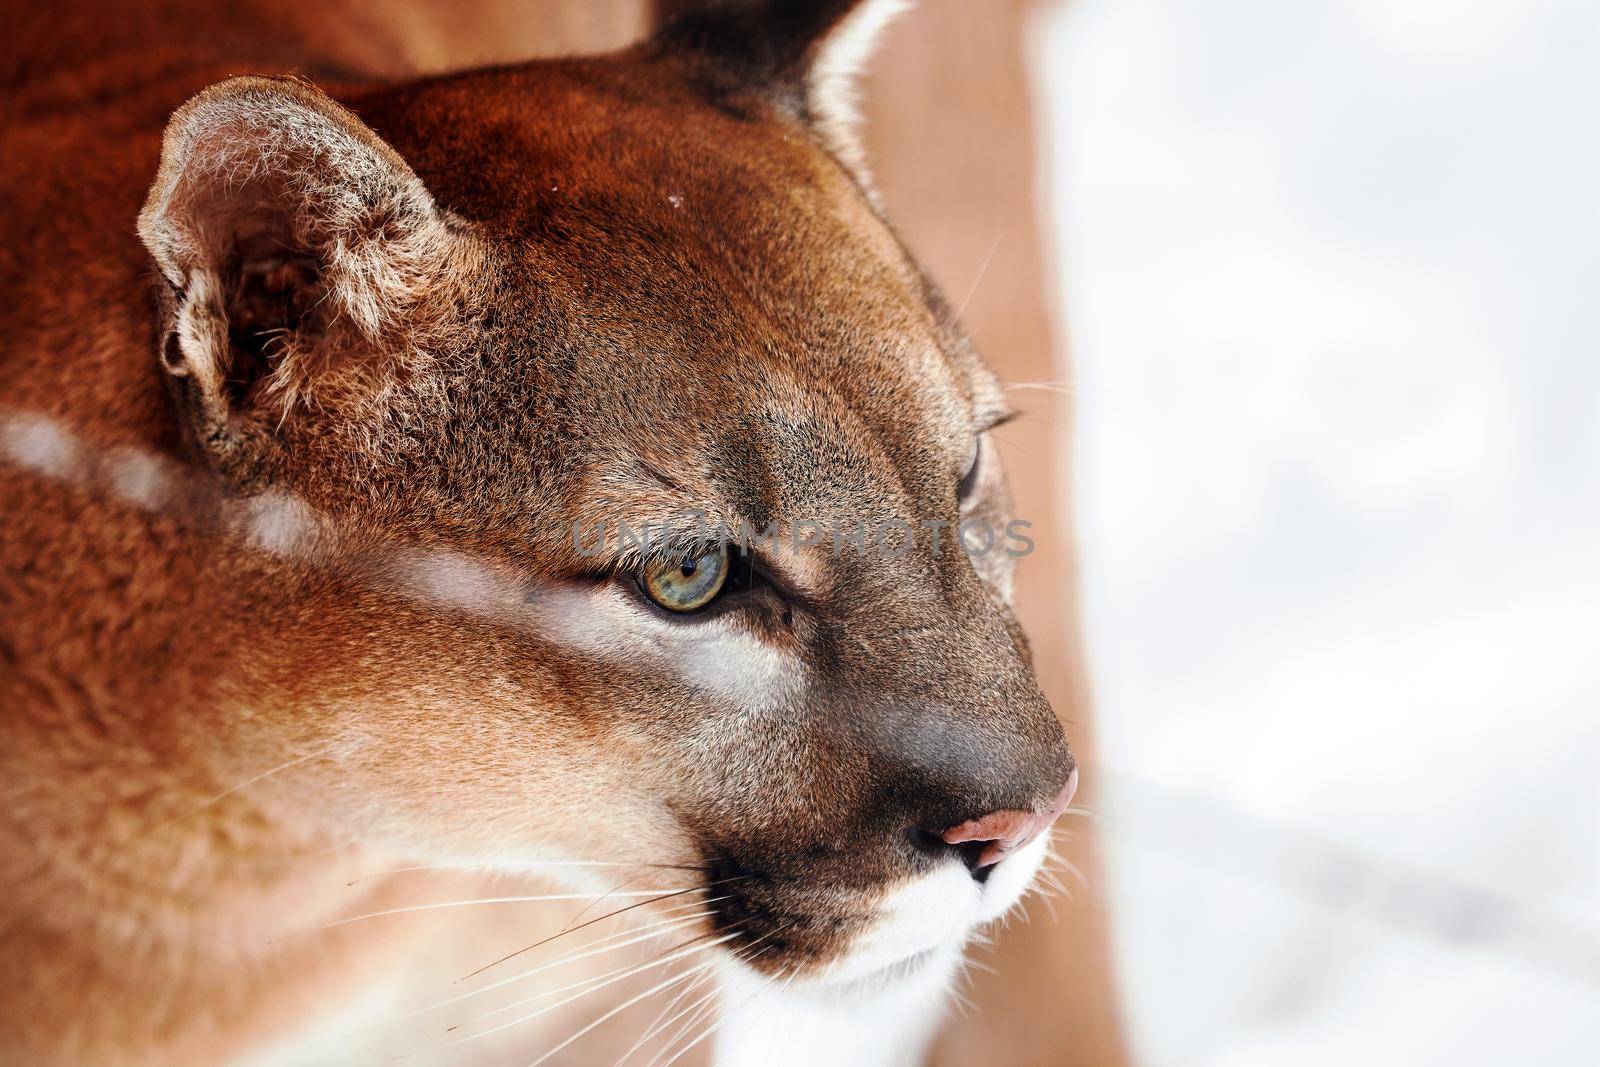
927	841
971	853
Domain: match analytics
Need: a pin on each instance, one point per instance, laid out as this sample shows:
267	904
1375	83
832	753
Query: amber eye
688	584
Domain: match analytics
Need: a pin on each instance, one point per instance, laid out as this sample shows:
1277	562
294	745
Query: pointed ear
298	249
804	55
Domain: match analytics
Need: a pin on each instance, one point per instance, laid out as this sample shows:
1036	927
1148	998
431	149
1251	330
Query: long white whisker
714	1027
788	1031
701	1010
585	992
574	924
981	966
749	953
983	269
630	1002
1043	387
582	926
1081	811
482	900
1049	902
509	868
962	1001
226	793
582	952
1049	879
657	1026
704	1005
1072	869
603	979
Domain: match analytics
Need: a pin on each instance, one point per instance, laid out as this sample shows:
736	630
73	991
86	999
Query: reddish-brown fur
652	287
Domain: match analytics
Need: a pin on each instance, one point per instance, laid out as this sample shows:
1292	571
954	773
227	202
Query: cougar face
437	356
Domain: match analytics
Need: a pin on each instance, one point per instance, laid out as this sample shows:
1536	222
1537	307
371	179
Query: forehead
708	299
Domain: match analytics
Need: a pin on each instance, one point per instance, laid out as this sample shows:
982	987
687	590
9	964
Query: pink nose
1004	832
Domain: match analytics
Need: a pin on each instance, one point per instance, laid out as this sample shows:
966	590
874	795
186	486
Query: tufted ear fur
805	55
301	254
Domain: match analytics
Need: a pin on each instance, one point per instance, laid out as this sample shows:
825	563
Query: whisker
595	984
226	793
470	903
1058	388
658	1027
705	1007
1049	878
980	965
591	922
788	1033
963	1002
529	865
552	1007
565	931
630	1002
1082	811
746	955
983	269
1072	869
573	922
705	1010
713	1028
598	948
1051	888
773	986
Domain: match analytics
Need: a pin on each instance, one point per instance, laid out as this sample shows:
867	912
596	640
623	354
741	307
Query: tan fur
496	304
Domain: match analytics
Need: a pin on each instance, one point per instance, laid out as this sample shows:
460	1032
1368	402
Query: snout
862	896
851	910
917	790
980	791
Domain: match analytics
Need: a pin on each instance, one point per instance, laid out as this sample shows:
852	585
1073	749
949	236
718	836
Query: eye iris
688	585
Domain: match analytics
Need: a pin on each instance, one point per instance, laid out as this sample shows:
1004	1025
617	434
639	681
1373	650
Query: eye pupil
687	585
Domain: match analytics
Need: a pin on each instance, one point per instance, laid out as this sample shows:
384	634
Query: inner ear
296	245
273	293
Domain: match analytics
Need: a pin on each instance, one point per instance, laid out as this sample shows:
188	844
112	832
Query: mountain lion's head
445	344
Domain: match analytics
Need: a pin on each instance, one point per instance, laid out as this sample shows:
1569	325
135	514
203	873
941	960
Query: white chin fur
879	1005
768	1023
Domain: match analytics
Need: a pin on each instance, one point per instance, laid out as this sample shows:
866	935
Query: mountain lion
303	463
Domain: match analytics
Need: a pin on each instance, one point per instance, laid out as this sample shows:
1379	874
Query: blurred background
1328	272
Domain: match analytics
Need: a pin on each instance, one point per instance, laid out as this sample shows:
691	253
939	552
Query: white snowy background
1329	269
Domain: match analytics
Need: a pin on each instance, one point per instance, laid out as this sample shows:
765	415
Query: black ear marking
763	43
801	56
